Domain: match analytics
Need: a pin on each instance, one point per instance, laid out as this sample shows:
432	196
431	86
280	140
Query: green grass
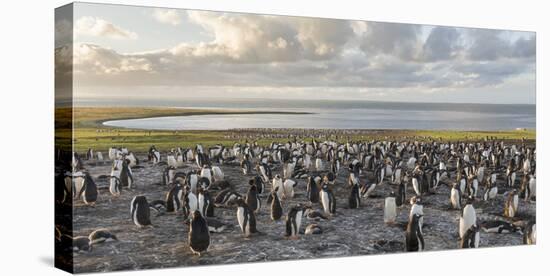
90	133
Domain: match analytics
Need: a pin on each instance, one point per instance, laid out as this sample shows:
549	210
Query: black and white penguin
101	235
203	183
294	221
159	206
217	174
530	189
327	200
89	190
491	191
192	180
467	218
246	218
310	213
417	209
81	243
400	197
511	204
414	240
226	198
173	202
199	234
215	226
139	210
205	204
530	233
498	226
313	229
252	199
288	191
354	198
312	190
190	202
456	197
258	181
367	189
168	175
246	166
276	207
126	175
470	238
390	209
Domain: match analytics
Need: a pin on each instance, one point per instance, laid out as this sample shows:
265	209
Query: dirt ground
351	232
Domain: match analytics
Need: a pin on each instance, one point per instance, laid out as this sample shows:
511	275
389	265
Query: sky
143	52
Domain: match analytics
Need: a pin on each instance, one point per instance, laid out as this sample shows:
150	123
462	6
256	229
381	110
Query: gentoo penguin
89	190
294	221
530	233
313	229
467	218
205	204
115	187
390	209
276	208
189	200
192	180
530	189
327	200
417	209
226	198
101	235
81	243
199	235
288	186
313	214
173	202
126	176
246	166
511	204
414	240
278	183
490	192
456	197
206	172
139	210
367	189
204	183
217	173
354	198
215	226
470	238
498	226
319	166
401	195
159	206
258	181
312	190
252	199
168	175
246	218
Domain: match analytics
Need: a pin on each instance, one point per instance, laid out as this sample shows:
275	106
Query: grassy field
89	132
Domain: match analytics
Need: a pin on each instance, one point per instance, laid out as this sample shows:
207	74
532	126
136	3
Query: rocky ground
351	232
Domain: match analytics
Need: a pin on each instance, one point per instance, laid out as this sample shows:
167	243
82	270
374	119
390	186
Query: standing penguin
467	218
126	176
390	209
173	202
417	209
455	197
89	190
252	199
276	208
511	204
530	233
258	181
199	236
471	237
327	200
293	221
140	212
312	190
400	197
354	198
491	191
189	200
414	240
278	183
168	175
206	206
288	186
246	218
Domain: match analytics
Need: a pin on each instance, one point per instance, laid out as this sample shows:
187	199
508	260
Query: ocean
333	114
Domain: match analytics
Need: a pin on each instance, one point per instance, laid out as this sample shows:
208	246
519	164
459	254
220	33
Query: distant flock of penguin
470	169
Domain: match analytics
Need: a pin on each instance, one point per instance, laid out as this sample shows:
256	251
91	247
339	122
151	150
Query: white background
26	137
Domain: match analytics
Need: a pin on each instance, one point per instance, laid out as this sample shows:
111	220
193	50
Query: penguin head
252	181
196	214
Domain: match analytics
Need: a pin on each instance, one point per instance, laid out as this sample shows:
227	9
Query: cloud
490	45
443	43
167	16
400	40
94	26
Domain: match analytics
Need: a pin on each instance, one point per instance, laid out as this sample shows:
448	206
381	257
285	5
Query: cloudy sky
174	54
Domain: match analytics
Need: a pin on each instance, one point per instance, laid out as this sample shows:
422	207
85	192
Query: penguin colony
305	187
